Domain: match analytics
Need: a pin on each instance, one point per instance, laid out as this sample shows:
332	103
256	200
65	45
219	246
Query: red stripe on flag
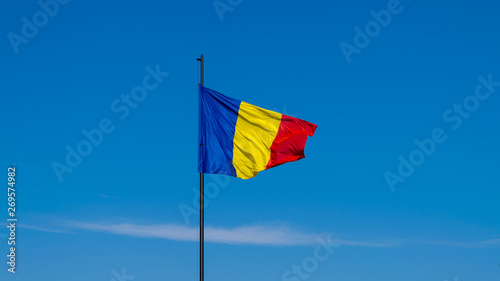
290	141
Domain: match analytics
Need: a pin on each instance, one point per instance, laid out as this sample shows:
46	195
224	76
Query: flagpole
202	187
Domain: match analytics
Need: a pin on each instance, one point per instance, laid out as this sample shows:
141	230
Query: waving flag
240	140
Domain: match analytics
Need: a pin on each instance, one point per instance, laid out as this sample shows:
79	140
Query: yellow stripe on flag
256	129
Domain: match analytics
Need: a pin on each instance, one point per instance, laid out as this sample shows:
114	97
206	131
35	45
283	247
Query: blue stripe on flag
217	122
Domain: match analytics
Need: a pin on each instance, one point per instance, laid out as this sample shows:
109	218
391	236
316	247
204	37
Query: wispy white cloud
491	242
109	196
257	235
265	235
45	229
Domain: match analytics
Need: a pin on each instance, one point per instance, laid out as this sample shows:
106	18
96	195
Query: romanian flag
240	140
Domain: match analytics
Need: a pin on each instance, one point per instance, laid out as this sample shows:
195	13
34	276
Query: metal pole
202	187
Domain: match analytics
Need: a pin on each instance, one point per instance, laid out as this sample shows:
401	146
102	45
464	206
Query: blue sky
388	208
